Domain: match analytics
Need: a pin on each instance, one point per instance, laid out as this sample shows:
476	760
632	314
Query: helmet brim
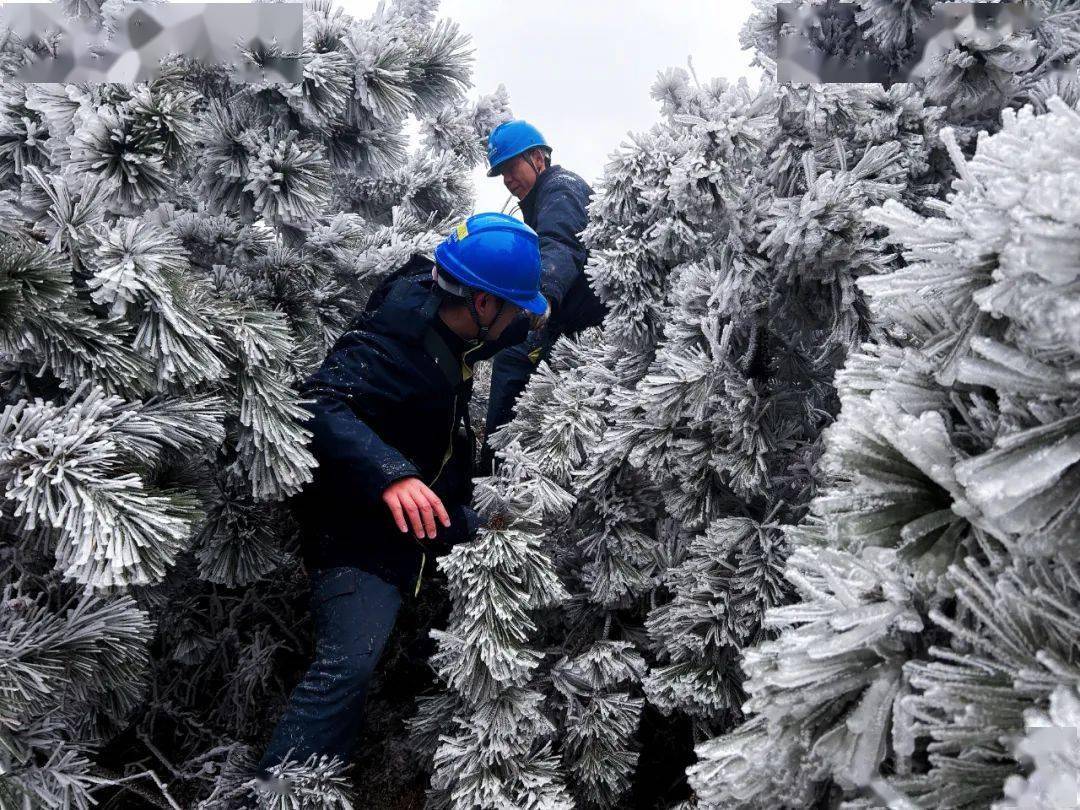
496	170
537	305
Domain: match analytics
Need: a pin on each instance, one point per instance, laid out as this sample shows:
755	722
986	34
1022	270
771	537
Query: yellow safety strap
423	559
449	447
446	457
466	372
466	369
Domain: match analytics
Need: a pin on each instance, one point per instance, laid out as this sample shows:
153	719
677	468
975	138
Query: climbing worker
553	203
393	485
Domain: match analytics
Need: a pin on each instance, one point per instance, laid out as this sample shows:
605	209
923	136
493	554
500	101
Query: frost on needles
817	466
936	583
174	257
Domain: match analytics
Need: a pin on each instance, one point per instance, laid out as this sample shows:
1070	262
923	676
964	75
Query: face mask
515	332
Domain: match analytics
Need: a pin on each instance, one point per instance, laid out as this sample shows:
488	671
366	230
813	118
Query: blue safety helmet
498	254
510	139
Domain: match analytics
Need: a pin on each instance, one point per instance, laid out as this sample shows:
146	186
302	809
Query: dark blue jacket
384	409
555	208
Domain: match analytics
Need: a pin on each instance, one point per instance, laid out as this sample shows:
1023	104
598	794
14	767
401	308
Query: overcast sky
581	70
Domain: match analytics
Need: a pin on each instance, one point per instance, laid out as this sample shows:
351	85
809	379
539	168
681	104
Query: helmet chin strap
482	331
466	293
536	174
528	159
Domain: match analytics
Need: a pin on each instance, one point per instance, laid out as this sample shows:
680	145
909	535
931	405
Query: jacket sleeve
343	441
560	218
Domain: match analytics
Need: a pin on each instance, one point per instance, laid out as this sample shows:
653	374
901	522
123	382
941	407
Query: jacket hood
409	307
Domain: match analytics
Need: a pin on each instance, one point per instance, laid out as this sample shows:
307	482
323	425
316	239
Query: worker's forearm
348	448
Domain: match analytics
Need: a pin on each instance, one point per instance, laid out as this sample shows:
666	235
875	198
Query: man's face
519	173
487	306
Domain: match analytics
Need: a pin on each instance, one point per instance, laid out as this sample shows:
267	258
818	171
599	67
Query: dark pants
354	612
510	372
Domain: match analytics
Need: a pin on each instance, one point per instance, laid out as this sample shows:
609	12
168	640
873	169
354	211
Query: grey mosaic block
128	49
801	62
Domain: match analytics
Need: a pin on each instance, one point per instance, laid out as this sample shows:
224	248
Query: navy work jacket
555	208
389	402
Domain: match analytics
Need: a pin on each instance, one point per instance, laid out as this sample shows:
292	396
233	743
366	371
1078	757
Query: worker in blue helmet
554	203
389	423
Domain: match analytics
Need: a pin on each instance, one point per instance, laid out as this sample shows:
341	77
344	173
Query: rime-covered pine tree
934	620
174	257
733	248
487	730
938	572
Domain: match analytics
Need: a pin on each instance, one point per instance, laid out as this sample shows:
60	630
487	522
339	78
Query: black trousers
354	613
510	372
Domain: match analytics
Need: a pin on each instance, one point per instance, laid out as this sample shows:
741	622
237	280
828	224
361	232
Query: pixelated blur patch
462	231
804	26
497	522
255	42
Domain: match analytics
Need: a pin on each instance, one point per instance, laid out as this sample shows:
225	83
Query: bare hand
410	498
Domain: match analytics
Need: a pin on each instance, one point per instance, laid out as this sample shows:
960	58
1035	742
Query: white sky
582	70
